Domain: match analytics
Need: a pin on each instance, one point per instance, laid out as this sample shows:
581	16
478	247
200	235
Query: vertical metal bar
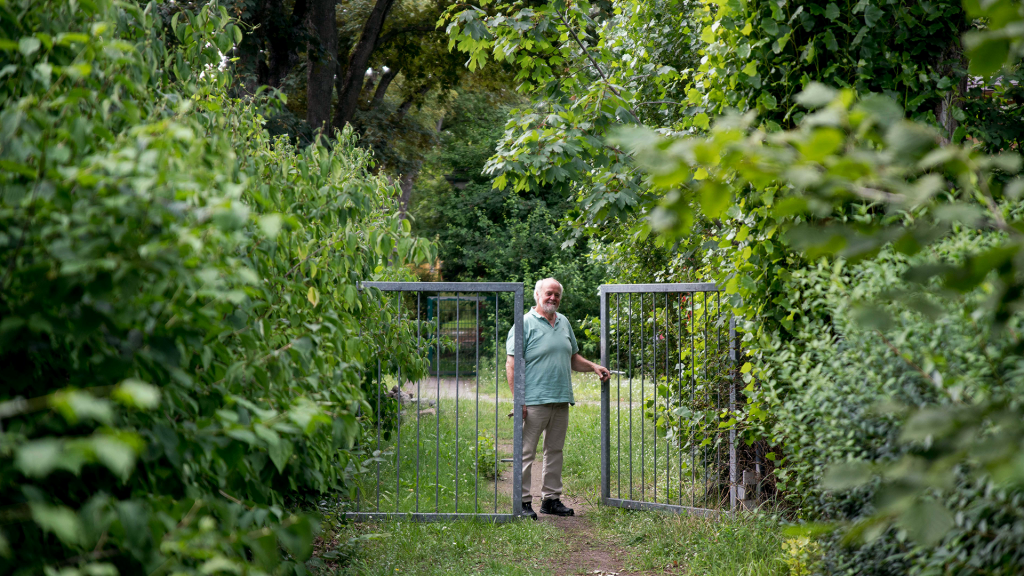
707	400
679	372
398	420
418	401
718	394
497	392
693	383
359	488
458	344
629	339
605	407
476	433
437	417
378	429
668	452
735	357
618	395
517	410
654	386
643	420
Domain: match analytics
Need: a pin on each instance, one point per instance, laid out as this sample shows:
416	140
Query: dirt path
587	552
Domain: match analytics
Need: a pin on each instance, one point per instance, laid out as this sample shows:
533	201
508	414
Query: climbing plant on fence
179	321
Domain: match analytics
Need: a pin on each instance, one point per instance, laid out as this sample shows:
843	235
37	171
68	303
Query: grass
748	544
447	472
463	547
744	544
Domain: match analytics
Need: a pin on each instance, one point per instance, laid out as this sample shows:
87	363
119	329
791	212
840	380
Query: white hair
540	284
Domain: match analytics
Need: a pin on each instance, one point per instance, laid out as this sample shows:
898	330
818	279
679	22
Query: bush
840	390
180	328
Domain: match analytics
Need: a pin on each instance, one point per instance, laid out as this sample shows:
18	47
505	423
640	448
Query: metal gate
441	440
667	346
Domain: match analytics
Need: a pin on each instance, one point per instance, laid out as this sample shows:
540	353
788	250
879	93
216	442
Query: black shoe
528	511
555	506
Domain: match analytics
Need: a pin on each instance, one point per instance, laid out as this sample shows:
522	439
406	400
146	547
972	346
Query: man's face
550	297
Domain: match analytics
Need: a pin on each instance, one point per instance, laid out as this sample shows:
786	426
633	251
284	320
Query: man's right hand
513	412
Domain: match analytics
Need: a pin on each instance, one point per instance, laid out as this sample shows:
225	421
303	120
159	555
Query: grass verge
740	545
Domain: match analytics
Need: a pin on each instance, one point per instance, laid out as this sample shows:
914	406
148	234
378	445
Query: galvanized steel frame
516	288
654	289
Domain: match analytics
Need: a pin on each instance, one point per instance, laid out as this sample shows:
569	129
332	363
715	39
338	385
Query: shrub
179	319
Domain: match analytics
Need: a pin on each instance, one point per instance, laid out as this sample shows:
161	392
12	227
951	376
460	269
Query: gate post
519	373
605	403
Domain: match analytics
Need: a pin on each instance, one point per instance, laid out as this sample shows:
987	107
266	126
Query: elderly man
551	354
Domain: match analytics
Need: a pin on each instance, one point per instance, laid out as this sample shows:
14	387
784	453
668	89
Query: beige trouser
553	421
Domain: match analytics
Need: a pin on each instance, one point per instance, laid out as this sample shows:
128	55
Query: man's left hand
602	372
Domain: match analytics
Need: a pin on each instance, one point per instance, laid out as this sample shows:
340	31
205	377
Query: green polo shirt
547	350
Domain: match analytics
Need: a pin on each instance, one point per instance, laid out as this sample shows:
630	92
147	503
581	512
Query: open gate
670	348
667	346
442	441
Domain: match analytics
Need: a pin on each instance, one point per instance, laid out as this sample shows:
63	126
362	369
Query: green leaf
832	11
770	26
987	55
220	565
137	394
872	14
872	317
297	536
264	550
926	522
37	458
714	198
830	41
280	453
270	224
846	475
816	95
29	45
116	455
75	405
910	139
58	520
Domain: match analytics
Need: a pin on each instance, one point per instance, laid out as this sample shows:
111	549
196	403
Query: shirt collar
541	316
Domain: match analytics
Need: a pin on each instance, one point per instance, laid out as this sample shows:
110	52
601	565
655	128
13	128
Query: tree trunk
406	185
282	44
382	87
408	102
322	56
352	83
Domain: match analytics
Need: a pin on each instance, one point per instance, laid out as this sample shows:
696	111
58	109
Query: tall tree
322	59
351	84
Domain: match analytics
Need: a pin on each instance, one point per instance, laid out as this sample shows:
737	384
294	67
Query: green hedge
840	388
179	322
